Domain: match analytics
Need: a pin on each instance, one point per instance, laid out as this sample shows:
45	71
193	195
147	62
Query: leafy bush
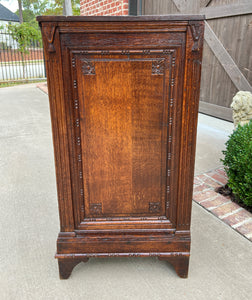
238	163
24	33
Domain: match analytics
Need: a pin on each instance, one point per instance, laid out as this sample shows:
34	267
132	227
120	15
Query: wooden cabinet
124	95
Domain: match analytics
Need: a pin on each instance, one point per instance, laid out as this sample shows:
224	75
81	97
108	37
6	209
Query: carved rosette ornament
96	208
158	67
154	207
88	67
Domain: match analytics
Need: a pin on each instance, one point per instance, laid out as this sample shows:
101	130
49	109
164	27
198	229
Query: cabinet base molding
67	262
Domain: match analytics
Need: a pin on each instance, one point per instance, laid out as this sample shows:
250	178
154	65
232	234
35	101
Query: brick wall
104	7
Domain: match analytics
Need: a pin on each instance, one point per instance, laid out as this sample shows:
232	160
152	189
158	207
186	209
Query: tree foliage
36	6
33	8
56	7
28	31
23	34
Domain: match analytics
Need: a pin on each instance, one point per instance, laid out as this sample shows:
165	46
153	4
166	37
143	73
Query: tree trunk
20	11
24	66
67	8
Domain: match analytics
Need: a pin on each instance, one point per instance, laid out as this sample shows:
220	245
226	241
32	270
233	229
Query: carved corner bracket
196	31
50	33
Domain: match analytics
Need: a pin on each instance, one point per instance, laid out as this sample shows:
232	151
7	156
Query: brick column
104	7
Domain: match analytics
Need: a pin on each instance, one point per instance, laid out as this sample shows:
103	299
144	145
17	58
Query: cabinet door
124	111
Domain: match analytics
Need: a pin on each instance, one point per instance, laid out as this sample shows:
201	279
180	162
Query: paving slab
212	134
220	265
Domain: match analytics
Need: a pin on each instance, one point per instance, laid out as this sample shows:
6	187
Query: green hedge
238	162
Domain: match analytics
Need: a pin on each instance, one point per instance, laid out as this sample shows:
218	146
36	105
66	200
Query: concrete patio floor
221	259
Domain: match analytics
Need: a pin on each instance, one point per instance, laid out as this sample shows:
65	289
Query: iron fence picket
14	67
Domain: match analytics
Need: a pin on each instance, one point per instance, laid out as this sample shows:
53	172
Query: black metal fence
17	66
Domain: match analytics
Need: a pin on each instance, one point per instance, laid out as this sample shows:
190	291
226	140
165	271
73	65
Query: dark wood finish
180	264
124	97
66	266
152	18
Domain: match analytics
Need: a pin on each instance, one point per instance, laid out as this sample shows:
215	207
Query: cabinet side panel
52	51
194	44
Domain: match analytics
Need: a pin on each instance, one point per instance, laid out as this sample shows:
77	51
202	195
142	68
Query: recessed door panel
123	107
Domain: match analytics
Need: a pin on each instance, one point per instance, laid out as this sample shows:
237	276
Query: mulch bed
212	193
227	191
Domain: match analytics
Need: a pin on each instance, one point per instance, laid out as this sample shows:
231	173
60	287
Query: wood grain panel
214	12
234	33
59	128
216	3
226	60
121	137
158	7
218	111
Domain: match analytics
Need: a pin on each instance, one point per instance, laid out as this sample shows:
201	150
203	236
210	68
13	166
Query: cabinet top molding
181	17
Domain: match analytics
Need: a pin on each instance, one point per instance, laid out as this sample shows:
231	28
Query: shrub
238	163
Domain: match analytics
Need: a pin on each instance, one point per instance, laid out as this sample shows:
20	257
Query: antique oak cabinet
124	95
